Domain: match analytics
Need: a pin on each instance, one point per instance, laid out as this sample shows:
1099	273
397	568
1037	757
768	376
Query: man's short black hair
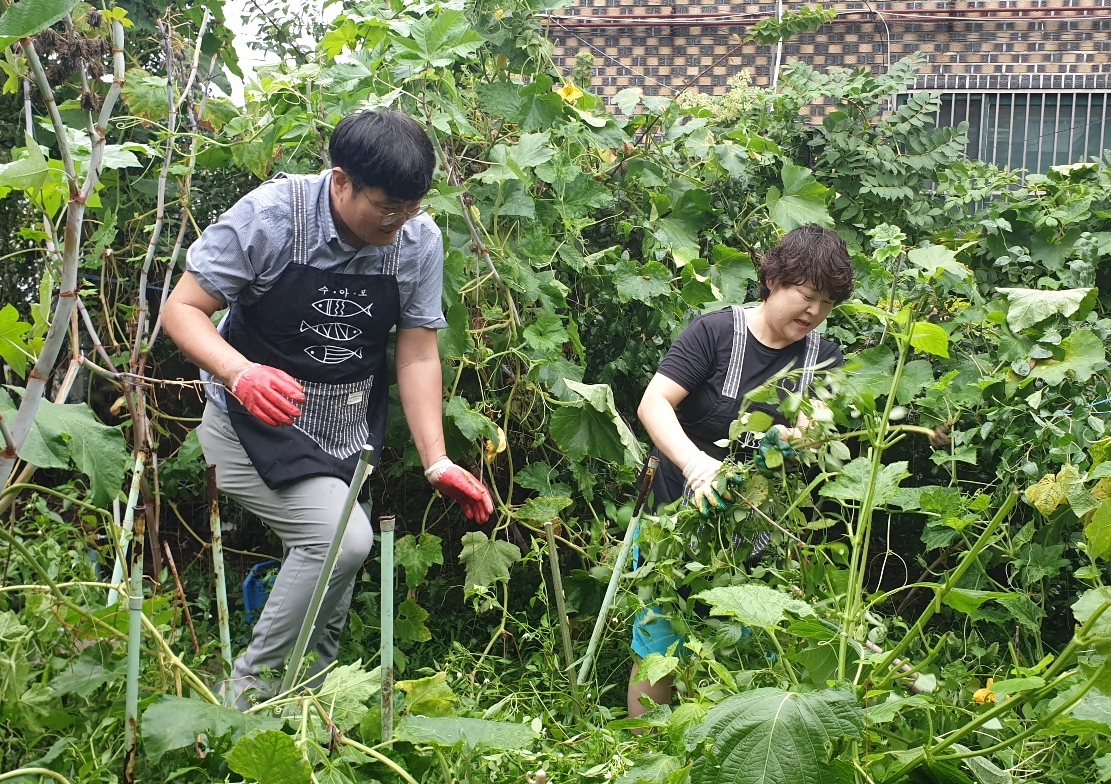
810	255
387	150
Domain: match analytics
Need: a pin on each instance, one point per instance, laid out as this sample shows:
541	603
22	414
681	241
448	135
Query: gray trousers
304	515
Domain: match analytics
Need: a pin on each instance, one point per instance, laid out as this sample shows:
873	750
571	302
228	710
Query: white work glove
699	472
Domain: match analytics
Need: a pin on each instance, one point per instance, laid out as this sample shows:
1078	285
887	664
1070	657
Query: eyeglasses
388	216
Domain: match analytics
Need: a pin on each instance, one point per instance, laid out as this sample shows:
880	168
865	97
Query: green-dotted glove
774	451
699	472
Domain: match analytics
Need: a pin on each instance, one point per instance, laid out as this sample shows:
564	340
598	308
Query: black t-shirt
699	359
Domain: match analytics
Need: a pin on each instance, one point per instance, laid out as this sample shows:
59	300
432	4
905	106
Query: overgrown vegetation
933	604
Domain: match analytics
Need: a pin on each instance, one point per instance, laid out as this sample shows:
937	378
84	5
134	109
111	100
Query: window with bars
1031	130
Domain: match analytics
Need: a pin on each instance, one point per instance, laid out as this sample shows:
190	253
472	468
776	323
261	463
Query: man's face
793	310
369	215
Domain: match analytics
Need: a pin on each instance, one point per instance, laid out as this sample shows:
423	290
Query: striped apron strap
737	356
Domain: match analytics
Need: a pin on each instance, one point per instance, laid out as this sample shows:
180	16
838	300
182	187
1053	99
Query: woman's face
793	310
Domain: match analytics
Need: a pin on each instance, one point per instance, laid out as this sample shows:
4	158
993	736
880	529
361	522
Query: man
316	271
699	388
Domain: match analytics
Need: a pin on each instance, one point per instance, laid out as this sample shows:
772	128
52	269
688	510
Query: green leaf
655	666
658	768
416	555
532	150
174	723
69	434
28	17
410	622
1098	531
1084	357
429	696
13	347
852	483
918	374
345	693
471	733
967	600
145	95
870	372
643	284
930	338
935	259
1083	609
256	154
802	201
600	406
769	735
28	173
886	711
487	560
1030	306
546	334
270	757
543	508
456	341
471	423
754	604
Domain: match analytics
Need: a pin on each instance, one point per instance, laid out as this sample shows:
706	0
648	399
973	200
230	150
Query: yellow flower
985	694
499	13
492	449
569	93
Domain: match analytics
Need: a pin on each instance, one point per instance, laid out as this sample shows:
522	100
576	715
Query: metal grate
1029	129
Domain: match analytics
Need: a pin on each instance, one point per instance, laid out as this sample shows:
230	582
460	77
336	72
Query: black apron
329	331
669	484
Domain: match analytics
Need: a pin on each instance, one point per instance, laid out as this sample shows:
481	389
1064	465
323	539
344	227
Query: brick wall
662	46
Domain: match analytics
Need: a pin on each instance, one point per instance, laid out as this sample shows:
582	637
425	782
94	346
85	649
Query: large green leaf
643	283
770	736
451	731
679	231
429	696
410	622
1084	356
966	600
25	174
13	347
471	423
543	508
935	259
69	434
175	722
852	483
1086	606
754	604
929	338
270	757
802	200
487	560
1098	531
1029	306
600	400
345	693
28	17
416	555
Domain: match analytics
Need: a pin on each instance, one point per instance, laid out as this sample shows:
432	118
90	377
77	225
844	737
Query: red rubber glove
270	394
461	486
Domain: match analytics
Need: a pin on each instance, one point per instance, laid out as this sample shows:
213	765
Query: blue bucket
257	586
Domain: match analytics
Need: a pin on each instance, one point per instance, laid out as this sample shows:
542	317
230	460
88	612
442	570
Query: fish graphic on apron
329	330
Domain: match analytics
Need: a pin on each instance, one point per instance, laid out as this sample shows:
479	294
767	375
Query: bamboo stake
362	471
120	535
561	606
221	582
647	476
134	646
181	595
386	526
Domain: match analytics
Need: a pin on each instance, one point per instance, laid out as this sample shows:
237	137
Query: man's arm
268	393
420	382
187	319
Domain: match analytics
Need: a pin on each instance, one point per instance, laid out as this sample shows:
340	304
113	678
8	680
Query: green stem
953	579
389	763
783	660
15	774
